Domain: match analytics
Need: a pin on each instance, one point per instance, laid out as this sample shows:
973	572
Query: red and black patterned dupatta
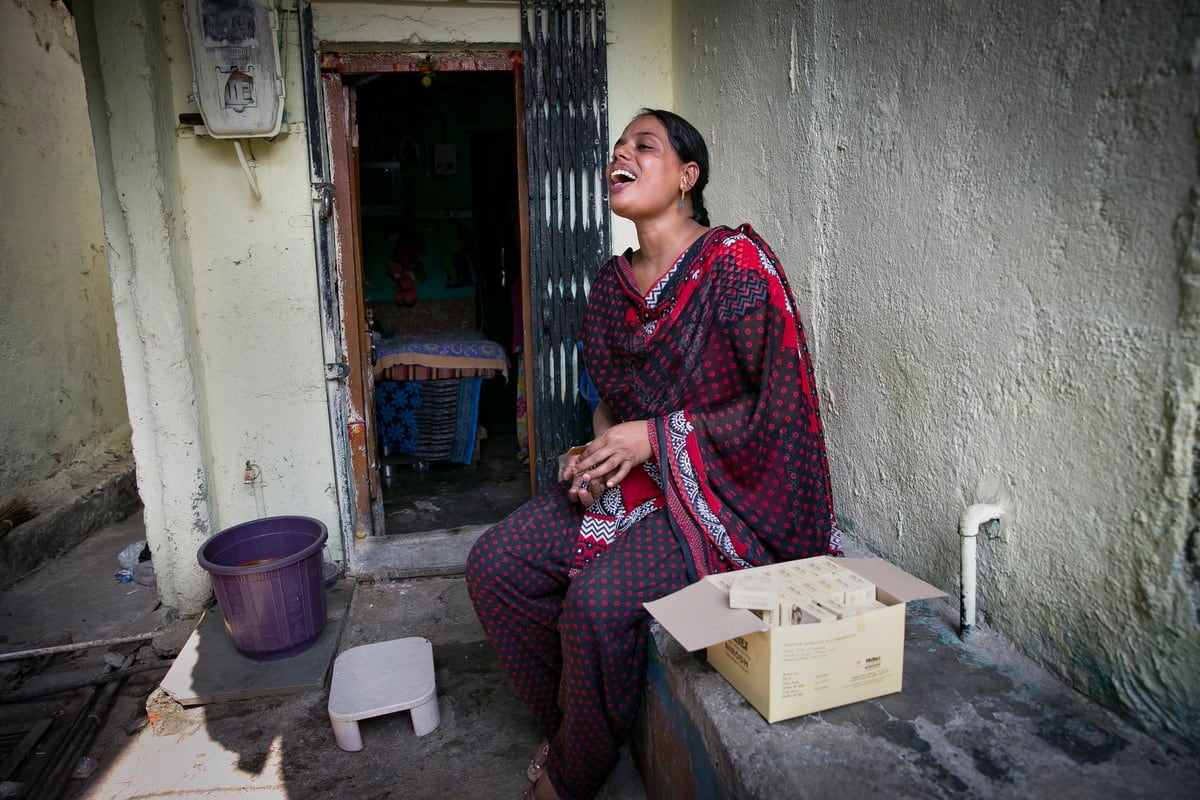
714	356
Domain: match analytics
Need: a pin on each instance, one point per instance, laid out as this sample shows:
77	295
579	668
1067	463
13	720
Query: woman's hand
585	492
609	457
581	489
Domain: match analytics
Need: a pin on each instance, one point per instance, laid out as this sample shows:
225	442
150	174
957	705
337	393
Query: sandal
537	764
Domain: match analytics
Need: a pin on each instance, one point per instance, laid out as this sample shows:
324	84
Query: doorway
554	91
439	237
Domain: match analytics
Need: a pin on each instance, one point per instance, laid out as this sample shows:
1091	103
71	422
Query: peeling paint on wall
1191	553
63	401
1186	461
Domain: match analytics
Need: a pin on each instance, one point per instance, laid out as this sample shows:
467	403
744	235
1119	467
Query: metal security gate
566	127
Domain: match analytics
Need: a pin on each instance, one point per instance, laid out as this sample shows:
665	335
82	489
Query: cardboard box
798	669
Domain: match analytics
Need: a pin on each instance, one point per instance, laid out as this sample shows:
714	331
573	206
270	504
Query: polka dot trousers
575	650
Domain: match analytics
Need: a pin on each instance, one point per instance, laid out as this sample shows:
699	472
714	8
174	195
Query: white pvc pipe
968	529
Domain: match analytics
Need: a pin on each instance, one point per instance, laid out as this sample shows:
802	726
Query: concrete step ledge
678	739
111	497
414	555
974	720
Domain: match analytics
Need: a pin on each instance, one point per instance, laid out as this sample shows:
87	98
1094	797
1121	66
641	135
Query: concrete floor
446	495
282	746
278	746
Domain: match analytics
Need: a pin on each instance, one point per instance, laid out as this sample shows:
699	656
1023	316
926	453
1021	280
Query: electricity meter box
235	66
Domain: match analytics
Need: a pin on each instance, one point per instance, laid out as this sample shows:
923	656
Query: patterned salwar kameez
714	358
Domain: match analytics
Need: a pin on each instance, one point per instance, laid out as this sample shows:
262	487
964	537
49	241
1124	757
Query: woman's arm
603	419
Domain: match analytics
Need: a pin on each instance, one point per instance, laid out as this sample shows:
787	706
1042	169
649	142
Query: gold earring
681	191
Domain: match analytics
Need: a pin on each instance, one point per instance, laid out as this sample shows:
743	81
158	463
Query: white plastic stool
382	678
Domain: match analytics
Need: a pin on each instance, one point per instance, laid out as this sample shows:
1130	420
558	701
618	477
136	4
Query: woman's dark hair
689	145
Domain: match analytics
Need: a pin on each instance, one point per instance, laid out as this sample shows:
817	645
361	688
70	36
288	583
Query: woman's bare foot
537	764
543	789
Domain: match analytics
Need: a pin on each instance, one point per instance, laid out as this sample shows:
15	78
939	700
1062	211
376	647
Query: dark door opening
441	276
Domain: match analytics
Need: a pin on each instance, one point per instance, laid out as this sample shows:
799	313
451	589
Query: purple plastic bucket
269	579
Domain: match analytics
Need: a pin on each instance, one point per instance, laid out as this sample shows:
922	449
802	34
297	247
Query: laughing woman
708	456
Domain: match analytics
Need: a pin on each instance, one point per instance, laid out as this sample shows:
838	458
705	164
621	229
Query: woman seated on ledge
708	456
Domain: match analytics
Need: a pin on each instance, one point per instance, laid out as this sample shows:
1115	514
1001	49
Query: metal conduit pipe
968	530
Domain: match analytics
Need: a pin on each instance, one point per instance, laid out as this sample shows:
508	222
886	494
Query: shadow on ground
283	746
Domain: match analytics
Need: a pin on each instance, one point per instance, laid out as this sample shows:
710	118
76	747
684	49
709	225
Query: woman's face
645	174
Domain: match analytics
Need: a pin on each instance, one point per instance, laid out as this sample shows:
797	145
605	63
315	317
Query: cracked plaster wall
415	23
251	283
986	216
63	403
217	300
257	348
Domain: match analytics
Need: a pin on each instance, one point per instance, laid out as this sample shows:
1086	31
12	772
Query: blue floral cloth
429	420
396	404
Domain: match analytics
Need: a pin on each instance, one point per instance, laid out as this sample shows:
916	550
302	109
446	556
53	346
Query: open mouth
620	176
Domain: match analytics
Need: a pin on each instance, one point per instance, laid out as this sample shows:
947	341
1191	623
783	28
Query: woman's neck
659	245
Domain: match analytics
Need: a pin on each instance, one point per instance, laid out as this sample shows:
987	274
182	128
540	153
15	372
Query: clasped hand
606	460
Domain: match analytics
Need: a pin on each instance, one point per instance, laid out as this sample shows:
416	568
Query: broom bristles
15	511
